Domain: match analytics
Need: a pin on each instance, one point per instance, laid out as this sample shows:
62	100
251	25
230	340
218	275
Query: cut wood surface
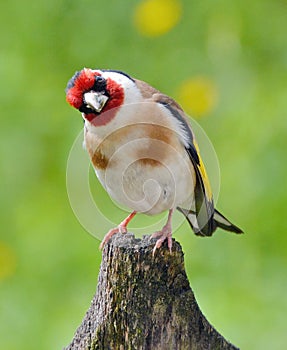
144	302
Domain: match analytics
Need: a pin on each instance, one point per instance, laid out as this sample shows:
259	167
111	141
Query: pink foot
164	234
122	228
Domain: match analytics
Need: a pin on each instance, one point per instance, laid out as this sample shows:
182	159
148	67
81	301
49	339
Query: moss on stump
144	302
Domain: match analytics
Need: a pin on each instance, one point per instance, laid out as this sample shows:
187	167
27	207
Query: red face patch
81	82
84	81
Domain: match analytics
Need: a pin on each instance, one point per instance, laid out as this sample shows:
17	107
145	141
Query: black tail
218	220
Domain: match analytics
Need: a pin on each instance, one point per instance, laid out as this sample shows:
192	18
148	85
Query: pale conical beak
95	100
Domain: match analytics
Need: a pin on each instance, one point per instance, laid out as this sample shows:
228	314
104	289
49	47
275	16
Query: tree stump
144	302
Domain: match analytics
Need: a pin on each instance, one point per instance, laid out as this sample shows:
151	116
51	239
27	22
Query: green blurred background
225	61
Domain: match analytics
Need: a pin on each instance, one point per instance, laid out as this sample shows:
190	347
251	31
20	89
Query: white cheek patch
132	93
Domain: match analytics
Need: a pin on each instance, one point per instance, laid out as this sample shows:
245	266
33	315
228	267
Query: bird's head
94	92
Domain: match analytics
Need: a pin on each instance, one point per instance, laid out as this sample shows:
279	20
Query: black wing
201	219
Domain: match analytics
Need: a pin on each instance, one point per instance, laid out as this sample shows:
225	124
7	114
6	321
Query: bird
144	152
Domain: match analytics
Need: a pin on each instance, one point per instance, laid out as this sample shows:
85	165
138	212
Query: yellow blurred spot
7	261
156	17
198	96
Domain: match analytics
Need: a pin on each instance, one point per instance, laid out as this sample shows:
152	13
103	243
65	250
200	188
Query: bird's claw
120	229
164	234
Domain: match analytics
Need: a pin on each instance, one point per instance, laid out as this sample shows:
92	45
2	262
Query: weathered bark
144	302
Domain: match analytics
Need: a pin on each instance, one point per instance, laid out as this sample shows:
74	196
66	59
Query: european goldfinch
144	151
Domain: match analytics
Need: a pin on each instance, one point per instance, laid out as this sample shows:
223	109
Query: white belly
142	165
149	188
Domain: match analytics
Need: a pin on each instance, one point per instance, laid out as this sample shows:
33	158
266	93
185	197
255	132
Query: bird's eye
100	83
99	79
